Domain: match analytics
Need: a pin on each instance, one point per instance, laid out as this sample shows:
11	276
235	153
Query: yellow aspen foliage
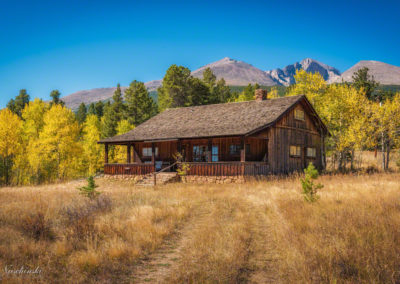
273	93
93	151
312	85
10	142
58	152
32	116
120	151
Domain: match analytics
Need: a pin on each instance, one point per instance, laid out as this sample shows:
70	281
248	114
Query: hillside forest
44	142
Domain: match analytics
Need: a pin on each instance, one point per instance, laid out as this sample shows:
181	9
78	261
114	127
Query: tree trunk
352	160
383	152
387	154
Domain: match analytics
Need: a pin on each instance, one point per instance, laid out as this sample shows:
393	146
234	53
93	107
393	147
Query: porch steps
162	178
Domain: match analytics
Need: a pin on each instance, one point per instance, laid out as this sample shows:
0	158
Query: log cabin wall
291	131
256	149
165	150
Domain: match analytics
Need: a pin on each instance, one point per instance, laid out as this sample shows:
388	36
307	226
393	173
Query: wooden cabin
259	137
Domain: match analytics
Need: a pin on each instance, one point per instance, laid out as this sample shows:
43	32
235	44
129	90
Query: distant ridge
239	73
285	76
236	73
383	73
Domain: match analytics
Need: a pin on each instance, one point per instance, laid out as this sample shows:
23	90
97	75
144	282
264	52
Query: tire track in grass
157	266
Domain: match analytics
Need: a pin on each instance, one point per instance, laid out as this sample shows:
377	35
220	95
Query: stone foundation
212	179
134	178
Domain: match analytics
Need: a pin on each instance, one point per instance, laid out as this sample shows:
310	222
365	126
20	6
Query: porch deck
196	168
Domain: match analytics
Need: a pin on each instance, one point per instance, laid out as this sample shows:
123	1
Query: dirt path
156	267
264	256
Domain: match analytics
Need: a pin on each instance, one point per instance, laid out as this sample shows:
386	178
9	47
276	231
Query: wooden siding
290	131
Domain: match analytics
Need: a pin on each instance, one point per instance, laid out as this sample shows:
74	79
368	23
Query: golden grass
261	231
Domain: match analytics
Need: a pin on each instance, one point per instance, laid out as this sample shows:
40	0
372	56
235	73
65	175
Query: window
234	149
214	154
311	152
299	114
146	151
295	151
199	153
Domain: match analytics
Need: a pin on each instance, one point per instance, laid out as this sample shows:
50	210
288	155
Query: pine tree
19	103
118	104
175	88
248	93
108	121
90	190
99	106
55	95
139	105
81	113
362	80
91	109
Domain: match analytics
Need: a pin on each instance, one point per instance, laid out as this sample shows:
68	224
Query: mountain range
239	73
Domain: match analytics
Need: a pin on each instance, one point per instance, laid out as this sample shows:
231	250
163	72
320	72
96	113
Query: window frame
313	154
238	148
199	155
214	155
148	150
297	151
297	111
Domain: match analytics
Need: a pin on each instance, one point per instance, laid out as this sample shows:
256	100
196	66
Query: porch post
209	159
105	153
153	155
128	153
243	150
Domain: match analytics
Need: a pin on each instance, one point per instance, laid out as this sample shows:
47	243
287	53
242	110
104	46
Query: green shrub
307	183
89	190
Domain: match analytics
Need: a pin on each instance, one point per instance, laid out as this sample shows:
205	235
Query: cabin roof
227	119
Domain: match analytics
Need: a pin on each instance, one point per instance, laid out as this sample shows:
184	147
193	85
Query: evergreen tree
99	107
175	88
19	103
248	93
118	104
81	113
91	109
108	121
139	105
55	95
218	91
199	93
362	80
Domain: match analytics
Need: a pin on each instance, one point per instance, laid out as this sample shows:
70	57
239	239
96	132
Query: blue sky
74	45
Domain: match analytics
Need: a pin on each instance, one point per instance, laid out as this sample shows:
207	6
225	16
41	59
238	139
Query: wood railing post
128	153
106	153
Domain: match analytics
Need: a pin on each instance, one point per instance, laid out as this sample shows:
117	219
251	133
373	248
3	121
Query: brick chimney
260	95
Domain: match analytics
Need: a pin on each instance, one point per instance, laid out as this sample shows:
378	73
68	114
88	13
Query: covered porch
218	156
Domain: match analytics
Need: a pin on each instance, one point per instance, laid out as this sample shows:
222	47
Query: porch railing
196	168
128	169
228	168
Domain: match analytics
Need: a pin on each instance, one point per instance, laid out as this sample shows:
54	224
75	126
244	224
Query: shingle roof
228	119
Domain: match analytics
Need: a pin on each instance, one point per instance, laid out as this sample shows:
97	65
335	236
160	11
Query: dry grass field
258	232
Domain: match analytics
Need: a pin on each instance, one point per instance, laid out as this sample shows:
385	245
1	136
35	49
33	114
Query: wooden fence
128	169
